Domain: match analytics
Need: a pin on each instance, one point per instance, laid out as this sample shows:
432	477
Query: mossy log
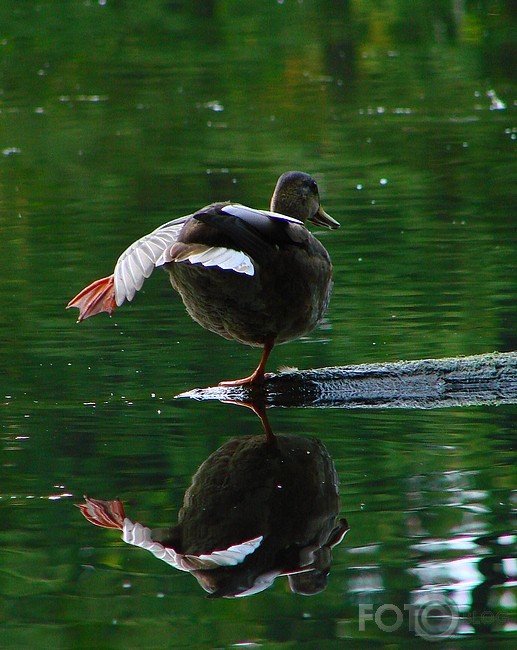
427	383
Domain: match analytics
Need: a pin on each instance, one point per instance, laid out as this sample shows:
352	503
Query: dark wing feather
252	231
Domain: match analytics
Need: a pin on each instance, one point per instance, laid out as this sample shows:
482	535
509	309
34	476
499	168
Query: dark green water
117	116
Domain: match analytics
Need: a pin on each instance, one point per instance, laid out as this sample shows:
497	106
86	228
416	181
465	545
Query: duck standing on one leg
257	277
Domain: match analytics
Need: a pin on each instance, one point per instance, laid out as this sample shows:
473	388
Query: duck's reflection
259	507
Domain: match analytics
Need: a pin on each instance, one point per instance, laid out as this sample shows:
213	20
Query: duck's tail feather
107	514
97	297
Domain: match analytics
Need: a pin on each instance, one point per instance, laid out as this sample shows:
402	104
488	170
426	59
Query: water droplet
215	106
496	104
11	151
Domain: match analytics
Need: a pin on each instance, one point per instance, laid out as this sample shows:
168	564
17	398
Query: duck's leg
259	408
257	376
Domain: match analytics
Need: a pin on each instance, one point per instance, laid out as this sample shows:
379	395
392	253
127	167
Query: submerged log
423	384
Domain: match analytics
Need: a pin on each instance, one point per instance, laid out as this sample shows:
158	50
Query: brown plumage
253	276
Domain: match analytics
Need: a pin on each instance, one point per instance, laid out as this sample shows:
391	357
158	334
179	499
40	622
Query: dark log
422	384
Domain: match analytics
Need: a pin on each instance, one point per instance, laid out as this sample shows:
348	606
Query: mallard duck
254	276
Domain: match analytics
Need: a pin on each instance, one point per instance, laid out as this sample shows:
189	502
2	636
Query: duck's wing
256	231
247	235
110	514
138	261
132	268
260	219
138	535
237	237
141	258
225	258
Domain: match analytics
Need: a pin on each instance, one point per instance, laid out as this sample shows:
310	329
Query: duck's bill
321	218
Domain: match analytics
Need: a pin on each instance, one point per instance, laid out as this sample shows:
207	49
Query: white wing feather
243	212
139	260
138	535
225	258
230	556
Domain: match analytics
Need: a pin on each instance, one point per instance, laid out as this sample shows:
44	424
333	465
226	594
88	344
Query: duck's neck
288	205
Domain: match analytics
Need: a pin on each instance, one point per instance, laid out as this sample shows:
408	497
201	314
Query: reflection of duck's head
256	509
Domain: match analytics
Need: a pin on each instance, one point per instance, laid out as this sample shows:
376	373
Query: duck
259	277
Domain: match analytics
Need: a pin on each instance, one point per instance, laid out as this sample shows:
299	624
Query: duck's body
284	298
256	277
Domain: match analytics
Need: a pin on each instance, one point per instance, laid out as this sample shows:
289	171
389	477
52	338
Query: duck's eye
308	188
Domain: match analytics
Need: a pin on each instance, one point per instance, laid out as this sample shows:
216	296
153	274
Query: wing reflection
259	507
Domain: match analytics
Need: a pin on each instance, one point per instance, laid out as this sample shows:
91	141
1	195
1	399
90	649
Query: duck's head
296	195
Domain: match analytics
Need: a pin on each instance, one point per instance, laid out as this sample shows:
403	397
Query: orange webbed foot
107	514
97	297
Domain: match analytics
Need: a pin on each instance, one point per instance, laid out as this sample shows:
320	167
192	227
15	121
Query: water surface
115	118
